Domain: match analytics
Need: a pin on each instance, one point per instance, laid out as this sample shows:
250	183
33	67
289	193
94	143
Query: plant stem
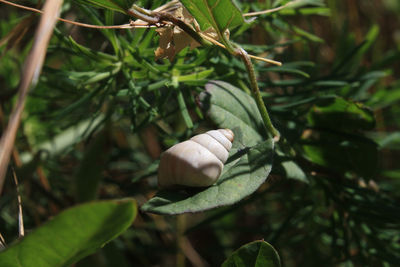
257	95
155	18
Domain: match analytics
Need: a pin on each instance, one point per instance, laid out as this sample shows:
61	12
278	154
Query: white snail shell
197	162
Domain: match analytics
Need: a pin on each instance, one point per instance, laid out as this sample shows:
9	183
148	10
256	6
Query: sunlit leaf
340	114
230	107
71	235
220	15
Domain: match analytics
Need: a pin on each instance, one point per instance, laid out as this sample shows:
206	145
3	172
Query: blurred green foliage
102	91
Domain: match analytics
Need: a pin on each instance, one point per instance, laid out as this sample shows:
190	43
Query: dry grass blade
270	61
2	242
30	75
21	228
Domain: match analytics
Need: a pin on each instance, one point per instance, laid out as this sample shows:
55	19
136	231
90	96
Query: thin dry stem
270	61
143	24
2	242
21	228
123	26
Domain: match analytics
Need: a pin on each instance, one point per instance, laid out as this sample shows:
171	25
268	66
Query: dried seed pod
197	162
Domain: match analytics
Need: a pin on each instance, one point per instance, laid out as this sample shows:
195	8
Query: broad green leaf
71	235
230	107
245	170
341	152
257	254
219	14
116	5
340	114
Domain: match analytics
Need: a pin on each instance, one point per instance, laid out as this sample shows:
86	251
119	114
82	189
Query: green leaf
245	170
287	167
390	141
394	174
342	152
340	114
293	171
90	53
67	138
283	26
230	107
183	109
201	75
219	14
320	11
257	253
286	69
116	5
89	172
307	35
384	98
301	3
71	235
351	60
330	83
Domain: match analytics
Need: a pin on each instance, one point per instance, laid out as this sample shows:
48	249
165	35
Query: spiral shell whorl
196	162
217	142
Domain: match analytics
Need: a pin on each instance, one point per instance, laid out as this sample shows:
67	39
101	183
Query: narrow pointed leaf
116	5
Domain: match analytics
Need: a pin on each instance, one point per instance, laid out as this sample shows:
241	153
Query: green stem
257	95
224	39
